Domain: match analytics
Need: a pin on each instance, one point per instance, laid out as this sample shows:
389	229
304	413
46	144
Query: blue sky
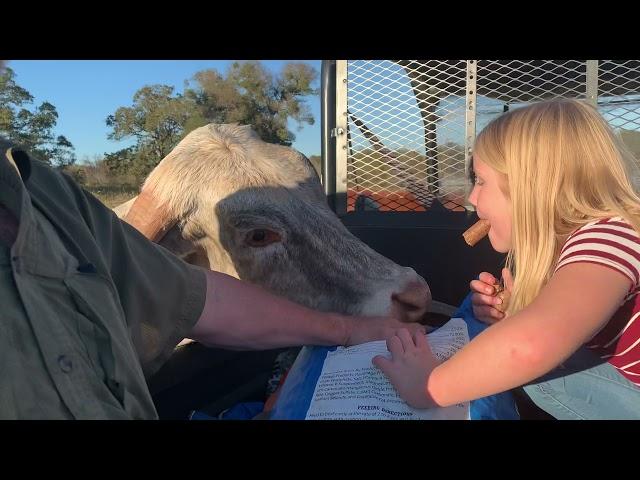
85	92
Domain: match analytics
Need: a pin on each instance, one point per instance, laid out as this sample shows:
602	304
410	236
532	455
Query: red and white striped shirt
613	242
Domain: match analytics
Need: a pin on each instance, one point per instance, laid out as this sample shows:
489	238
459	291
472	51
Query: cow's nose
412	303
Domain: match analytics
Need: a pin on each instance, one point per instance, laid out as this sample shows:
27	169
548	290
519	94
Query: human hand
361	329
487	306
409	368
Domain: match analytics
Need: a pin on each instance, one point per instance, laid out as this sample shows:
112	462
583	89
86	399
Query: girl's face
492	204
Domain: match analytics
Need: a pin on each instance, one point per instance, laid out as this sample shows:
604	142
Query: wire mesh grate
406	139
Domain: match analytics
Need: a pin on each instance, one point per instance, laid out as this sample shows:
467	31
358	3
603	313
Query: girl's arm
577	302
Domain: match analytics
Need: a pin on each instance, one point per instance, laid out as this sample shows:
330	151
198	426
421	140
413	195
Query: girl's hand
484	299
409	368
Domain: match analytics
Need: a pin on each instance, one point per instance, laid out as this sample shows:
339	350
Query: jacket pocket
101	327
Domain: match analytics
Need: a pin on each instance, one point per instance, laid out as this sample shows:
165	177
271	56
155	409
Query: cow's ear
149	217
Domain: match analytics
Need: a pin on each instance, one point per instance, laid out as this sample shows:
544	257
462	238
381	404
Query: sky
85	92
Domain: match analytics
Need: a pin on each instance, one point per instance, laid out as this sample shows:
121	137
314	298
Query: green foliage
32	129
157	121
111	187
248	94
121	161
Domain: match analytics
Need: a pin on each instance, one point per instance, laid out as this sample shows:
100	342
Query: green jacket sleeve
161	296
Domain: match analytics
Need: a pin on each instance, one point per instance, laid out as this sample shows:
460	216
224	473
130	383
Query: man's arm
162	297
241	316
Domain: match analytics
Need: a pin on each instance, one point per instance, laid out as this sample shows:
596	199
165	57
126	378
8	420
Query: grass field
113	196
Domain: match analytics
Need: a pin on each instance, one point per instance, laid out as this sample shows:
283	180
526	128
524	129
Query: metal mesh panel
619	103
506	84
524	81
407	132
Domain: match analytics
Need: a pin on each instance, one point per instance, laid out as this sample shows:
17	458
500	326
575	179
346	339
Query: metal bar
339	133
592	82
431	144
470	120
328	115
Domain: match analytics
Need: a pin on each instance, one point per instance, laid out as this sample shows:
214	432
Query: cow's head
226	200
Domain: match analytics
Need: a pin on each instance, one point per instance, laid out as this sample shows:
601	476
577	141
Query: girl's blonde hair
563	167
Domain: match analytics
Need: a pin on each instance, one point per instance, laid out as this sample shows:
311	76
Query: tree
33	129
122	161
248	94
251	95
156	120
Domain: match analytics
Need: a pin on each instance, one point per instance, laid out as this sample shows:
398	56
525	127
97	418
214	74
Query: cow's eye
261	237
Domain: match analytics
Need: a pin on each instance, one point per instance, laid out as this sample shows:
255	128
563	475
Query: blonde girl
552	180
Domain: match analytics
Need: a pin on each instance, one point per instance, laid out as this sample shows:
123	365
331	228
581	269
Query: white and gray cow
226	200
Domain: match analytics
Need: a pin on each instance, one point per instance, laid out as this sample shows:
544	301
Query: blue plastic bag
297	391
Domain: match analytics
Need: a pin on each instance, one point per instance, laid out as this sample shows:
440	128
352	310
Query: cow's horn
149	217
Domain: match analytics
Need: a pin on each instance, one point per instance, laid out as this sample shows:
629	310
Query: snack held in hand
504	294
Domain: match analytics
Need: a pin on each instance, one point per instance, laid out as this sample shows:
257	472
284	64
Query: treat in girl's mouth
476	232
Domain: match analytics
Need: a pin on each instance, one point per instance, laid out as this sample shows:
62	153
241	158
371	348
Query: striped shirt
614	243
